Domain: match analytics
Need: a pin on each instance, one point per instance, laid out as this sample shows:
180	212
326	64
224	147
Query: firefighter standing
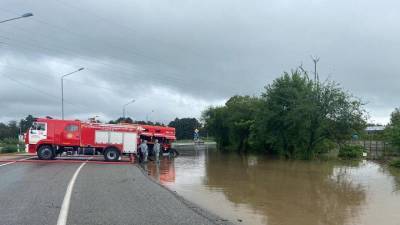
156	149
144	150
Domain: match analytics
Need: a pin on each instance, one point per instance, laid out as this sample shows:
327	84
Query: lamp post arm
124	108
62	90
19	17
11	19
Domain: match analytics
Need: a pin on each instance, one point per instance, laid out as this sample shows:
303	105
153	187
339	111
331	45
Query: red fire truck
50	137
164	135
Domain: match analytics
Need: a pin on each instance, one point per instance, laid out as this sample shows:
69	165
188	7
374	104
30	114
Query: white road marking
5	164
62	217
27	158
16	161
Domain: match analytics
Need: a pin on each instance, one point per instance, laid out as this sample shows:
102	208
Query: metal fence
376	149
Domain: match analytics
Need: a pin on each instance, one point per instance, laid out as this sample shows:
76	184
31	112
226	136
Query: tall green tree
231	124
185	127
216	125
298	115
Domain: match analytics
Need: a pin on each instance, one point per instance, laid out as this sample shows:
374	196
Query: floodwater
258	190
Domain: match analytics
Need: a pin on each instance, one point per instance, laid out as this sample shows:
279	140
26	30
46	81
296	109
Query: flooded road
258	190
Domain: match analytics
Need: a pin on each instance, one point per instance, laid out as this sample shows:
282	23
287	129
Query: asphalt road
36	193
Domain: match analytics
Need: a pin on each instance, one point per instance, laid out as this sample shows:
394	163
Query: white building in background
375	129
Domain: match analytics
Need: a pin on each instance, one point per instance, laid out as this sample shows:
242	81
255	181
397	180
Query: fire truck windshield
38	126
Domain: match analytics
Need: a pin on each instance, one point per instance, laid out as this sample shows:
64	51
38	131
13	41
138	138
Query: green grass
395	163
9	149
9	141
183	141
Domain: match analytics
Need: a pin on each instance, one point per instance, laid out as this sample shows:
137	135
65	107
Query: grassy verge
395	163
182	141
8	149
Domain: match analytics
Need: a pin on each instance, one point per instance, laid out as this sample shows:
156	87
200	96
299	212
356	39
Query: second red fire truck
51	137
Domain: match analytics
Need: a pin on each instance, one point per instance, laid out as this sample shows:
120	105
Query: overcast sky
175	58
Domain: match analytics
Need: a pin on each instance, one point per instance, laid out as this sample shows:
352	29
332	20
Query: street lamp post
147	115
19	17
124	108
62	90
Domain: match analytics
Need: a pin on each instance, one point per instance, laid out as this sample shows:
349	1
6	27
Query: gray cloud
177	57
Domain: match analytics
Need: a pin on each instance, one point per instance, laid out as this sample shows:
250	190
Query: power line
40	91
71	80
135	32
171	77
109	44
83	35
107	65
119	72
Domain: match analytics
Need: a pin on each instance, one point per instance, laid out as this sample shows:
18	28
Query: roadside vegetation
9	134
129	120
351	152
392	136
295	117
8	145
9	149
185	127
392	131
395	163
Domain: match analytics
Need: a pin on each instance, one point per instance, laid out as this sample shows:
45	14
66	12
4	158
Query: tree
26	123
392	130
129	120
215	123
294	117
185	127
121	120
241	111
231	124
9	130
298	115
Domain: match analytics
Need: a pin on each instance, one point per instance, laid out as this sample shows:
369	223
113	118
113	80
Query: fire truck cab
164	135
50	137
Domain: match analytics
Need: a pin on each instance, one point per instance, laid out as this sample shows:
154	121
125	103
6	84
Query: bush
395	163
325	146
10	141
9	149
351	152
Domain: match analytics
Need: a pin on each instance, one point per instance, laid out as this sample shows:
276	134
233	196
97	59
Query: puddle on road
258	190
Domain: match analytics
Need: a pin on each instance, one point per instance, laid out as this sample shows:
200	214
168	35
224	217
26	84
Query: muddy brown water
258	190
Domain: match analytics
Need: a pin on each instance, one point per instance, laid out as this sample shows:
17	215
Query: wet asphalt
33	192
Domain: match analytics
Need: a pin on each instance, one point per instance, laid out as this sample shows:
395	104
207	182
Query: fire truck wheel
111	154
45	152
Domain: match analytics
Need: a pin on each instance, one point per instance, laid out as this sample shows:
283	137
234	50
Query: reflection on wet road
258	190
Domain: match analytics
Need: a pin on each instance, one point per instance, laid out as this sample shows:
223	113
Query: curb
194	207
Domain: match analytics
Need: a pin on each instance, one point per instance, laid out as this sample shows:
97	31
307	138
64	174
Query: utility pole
315	59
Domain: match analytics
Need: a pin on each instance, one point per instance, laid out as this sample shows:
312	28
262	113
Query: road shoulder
194	207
